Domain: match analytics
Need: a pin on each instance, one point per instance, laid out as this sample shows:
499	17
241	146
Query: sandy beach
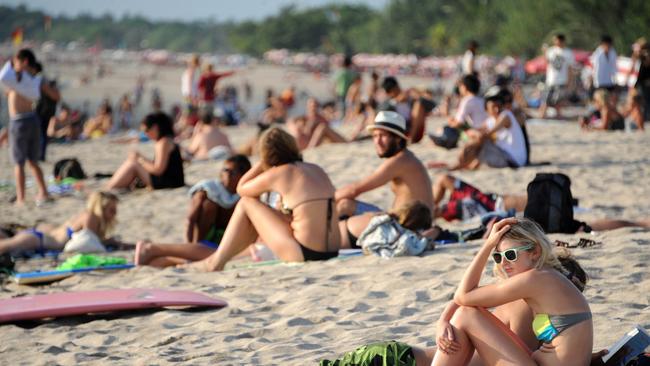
297	314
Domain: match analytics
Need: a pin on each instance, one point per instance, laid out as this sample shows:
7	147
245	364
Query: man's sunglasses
510	254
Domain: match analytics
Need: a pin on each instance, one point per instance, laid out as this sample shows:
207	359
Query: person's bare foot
19	203
42	200
143	253
205	265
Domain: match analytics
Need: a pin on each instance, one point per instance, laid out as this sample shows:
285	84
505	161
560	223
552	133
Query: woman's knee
465	315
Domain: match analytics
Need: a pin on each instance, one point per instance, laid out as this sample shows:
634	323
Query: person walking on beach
407	175
343	79
559	60
208	86
603	61
468	64
24	87
46	109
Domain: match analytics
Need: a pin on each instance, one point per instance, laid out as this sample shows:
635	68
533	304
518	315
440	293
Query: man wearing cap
408	177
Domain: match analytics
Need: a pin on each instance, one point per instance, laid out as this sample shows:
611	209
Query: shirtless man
24	126
207	136
407	175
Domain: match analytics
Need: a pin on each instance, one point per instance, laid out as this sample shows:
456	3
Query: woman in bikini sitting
98	217
562	318
304	230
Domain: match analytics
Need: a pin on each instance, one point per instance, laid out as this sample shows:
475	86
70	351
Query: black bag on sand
550	204
68	168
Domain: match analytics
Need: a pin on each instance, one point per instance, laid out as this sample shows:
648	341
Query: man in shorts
18	76
560	60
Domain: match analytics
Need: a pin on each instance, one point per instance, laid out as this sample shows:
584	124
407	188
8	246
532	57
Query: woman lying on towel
561	316
98	217
305	229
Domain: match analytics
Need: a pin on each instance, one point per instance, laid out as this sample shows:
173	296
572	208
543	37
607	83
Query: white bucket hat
390	121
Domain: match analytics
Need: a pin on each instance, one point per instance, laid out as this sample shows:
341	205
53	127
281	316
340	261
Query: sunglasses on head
510	254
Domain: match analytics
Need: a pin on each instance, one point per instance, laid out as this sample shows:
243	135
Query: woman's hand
498	229
446	339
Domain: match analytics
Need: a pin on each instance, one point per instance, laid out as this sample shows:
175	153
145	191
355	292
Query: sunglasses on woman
510	254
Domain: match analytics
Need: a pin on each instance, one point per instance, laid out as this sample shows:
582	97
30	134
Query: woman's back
307	194
172	176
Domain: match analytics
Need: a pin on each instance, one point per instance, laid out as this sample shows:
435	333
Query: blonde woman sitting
524	260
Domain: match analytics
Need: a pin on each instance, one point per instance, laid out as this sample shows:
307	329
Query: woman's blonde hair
277	147
97	202
527	231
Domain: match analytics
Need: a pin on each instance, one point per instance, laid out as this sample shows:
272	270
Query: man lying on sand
406	174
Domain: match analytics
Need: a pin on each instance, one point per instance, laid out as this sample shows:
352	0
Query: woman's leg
19	242
607	224
322	132
127	173
495	343
150	254
250	219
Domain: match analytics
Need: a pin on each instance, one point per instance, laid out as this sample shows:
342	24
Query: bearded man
408	178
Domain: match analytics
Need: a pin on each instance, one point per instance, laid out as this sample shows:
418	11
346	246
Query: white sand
297	314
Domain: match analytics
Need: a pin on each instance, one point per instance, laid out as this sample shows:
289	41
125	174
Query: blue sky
185	10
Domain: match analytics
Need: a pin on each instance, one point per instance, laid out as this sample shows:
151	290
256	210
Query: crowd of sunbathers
293	208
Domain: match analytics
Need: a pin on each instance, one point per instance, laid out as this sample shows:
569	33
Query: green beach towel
389	353
89	260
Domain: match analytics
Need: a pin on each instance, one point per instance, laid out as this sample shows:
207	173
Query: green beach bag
389	353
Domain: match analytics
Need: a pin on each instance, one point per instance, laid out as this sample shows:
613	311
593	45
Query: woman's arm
473	273
163	150
90	222
256	181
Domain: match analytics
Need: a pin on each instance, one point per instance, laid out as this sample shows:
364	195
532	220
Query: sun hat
390	121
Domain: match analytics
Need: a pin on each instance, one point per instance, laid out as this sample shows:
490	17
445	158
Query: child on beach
98	217
164	171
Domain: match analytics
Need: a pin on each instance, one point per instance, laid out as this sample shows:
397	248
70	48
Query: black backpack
68	168
550	203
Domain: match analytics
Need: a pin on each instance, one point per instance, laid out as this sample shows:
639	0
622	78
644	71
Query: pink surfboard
86	302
